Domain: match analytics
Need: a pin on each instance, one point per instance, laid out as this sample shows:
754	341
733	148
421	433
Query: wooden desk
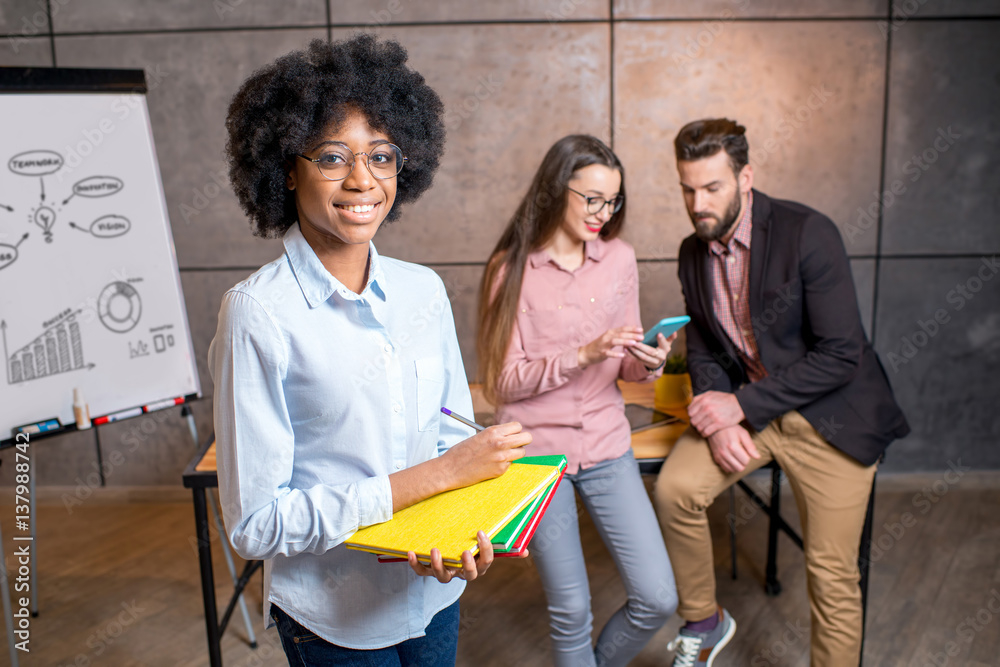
650	448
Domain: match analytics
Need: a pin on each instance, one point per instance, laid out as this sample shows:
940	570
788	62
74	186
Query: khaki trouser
831	491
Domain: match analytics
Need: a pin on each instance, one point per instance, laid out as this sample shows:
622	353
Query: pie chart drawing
119	307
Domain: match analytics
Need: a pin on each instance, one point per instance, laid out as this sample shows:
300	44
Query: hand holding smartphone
666	327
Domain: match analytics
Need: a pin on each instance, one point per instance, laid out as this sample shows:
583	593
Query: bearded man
781	370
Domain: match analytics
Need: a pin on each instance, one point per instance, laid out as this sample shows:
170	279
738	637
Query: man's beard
711	227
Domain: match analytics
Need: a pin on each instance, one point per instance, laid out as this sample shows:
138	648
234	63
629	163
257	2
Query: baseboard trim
108	495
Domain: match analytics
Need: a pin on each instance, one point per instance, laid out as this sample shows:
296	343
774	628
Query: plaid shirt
730	265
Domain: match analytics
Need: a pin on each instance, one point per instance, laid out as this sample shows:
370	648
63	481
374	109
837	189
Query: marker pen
41	427
118	416
160	405
467	422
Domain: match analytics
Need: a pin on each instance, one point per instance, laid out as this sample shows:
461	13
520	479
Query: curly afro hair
285	107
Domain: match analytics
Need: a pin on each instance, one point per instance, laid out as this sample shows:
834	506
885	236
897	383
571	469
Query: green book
509	532
557	460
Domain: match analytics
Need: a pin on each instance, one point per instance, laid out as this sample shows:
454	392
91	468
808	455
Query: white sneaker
698	649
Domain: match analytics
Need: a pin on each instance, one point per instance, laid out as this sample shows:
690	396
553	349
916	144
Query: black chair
776	523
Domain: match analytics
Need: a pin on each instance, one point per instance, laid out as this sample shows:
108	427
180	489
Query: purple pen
462	419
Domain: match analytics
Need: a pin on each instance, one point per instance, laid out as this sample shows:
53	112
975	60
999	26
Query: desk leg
224	543
771	584
207	579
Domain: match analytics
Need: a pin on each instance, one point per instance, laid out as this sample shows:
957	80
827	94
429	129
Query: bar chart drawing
59	349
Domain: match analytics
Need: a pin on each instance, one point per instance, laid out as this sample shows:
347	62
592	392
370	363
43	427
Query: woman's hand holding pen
485	455
604	346
653	357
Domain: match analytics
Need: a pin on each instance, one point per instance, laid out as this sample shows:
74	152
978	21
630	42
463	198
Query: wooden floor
119	586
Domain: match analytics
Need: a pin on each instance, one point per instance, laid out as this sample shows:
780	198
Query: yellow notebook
449	520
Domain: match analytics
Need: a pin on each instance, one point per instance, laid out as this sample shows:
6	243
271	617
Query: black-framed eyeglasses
336	162
596	204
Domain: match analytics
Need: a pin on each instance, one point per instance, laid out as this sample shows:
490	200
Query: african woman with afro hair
331	363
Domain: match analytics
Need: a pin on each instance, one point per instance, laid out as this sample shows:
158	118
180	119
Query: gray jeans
614	495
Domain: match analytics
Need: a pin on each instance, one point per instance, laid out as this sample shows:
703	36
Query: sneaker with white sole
698	649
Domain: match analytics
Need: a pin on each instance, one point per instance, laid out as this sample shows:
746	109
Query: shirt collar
316	283
591	250
741	234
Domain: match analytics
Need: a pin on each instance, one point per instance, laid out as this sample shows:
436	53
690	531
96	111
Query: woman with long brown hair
558	326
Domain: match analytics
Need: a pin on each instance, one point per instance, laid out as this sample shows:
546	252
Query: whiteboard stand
193	427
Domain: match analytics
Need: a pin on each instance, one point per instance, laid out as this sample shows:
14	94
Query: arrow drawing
42	181
9	208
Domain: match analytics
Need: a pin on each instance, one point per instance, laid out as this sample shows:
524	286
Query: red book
525	537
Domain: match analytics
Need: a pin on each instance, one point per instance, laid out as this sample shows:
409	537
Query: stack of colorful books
507	508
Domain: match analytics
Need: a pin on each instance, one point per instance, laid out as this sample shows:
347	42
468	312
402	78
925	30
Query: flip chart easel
90	293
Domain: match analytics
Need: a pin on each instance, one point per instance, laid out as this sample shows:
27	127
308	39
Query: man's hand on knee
732	448
713	411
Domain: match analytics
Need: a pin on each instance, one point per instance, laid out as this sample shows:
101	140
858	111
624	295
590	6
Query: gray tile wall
840	97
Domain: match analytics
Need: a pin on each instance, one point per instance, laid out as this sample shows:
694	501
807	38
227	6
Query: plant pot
672	391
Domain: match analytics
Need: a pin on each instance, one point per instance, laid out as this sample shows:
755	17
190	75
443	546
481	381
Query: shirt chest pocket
430	390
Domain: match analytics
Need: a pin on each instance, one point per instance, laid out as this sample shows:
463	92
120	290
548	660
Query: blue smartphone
666	327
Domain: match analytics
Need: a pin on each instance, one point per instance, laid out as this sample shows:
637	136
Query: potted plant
673	388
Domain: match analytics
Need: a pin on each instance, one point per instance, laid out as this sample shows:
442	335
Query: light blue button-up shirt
321	394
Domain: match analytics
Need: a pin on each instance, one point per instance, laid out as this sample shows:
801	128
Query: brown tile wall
837	95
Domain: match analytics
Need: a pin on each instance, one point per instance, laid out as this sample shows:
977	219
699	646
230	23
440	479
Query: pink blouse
569	410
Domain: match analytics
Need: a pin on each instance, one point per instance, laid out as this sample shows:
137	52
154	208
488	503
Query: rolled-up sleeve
255	448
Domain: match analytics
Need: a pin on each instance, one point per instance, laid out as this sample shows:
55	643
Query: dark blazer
808	329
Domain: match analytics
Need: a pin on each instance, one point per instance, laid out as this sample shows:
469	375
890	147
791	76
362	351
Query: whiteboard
90	294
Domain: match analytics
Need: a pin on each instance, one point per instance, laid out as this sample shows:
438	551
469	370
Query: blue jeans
614	495
437	648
